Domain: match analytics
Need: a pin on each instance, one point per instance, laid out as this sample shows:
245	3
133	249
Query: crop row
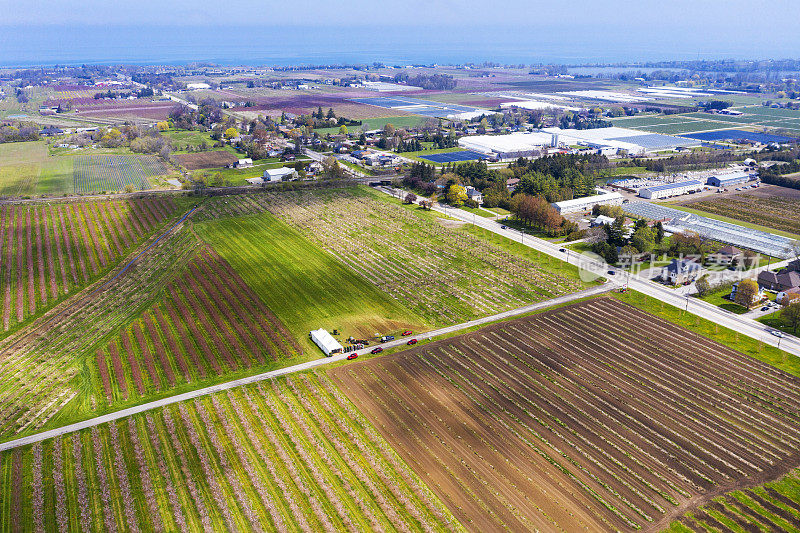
444	275
594	415
49	251
775	212
772	507
37	371
115	172
283	456
208	323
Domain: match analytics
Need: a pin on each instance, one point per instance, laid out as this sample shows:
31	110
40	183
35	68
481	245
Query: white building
588	202
279	174
325	341
668	190
474	194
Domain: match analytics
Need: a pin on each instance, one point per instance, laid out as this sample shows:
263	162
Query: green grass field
26	169
306	287
406	121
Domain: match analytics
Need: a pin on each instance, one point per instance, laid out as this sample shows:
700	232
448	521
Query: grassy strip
742	343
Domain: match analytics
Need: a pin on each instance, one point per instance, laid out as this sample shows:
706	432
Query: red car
352	356
406	333
377	350
412	341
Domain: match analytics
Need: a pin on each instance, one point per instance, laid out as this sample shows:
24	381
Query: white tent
325	341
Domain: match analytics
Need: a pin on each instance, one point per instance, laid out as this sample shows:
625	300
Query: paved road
738	323
24	441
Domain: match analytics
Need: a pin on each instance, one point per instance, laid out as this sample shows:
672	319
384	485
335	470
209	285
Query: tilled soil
595	416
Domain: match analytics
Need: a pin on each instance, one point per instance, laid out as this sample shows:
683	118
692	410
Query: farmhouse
671	189
779	281
586	203
680	271
325	341
726	255
279	174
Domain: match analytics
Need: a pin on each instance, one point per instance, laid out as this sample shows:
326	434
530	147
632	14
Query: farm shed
325	341
279	174
671	189
586	203
726	180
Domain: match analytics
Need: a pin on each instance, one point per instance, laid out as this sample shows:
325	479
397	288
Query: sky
529	30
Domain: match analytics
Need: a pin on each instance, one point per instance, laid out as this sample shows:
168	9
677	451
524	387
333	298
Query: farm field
378	123
776	212
594	415
200	160
288	455
444	275
95	173
45	363
774	506
208	323
26	170
51	250
304	286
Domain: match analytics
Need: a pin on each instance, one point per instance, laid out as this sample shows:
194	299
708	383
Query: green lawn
718	299
407	121
306	287
499	211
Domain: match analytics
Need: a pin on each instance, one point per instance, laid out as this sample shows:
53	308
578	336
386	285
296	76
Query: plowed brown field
594	416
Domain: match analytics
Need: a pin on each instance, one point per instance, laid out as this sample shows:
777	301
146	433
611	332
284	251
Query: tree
330	114
791	315
343	129
410	198
388	129
746	292
644	239
162	126
659	227
456	195
703	285
231	132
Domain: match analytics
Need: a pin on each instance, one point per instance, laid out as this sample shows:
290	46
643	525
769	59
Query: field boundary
110	417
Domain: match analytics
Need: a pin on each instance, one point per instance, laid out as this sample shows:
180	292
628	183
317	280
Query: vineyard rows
208	323
595	415
40	373
772	507
49	251
290	455
776	212
442	274
93	173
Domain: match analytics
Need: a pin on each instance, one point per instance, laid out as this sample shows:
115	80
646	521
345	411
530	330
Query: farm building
680	271
243	163
586	203
513	145
325	341
279	174
728	180
779	281
726	255
671	189
601	220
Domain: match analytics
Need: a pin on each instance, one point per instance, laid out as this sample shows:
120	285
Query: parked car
765	308
352	356
412	341
387	338
406	333
376	350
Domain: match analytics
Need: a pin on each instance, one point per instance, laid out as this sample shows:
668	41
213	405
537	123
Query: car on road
352	356
562	250
406	333
376	350
411	342
503	227
765	308
777	333
612	272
